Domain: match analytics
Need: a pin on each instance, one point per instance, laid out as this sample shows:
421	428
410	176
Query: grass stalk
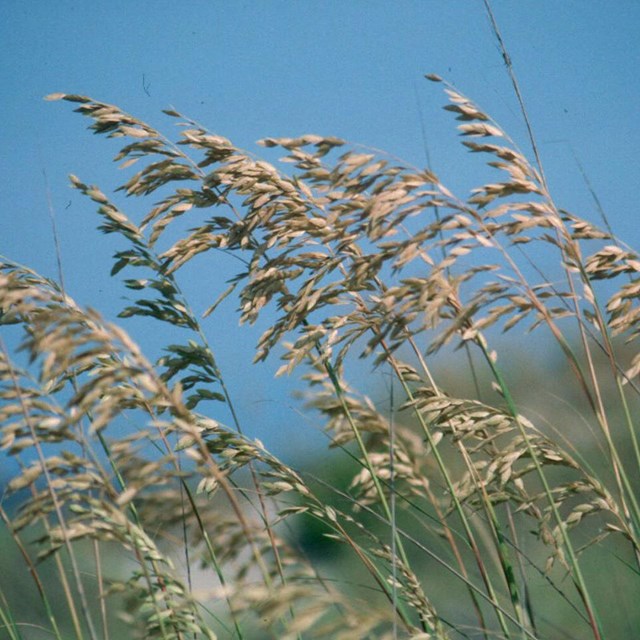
349	251
33	572
84	606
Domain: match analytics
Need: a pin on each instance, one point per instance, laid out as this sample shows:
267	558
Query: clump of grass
465	517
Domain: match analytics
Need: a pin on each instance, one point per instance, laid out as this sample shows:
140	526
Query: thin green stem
84	604
579	580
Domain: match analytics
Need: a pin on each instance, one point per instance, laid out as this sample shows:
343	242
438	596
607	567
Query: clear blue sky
266	68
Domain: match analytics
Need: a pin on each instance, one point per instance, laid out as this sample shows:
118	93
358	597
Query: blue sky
355	69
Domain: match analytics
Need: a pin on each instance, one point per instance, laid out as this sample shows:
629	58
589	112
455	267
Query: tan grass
458	508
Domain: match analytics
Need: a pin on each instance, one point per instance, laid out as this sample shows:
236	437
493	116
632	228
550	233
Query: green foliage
462	516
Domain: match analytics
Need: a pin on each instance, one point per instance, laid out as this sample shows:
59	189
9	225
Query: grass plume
465	516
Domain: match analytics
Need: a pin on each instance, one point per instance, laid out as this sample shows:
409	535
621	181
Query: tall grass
465	517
